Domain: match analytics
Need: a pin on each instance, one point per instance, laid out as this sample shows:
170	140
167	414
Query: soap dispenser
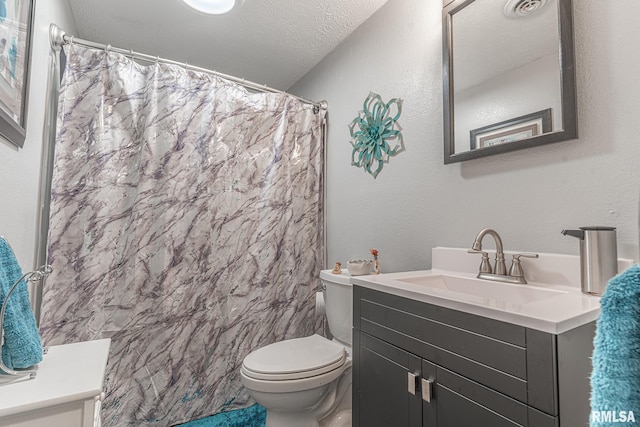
598	257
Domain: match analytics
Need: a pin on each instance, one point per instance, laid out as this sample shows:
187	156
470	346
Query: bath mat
253	416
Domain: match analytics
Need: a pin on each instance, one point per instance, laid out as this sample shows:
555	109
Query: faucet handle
485	265
526	255
516	267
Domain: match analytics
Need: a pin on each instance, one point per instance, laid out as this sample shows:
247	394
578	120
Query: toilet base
278	419
339	414
341	419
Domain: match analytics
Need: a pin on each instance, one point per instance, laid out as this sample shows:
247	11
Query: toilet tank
338	300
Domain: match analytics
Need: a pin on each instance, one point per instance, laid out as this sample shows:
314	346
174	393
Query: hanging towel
615	379
22	346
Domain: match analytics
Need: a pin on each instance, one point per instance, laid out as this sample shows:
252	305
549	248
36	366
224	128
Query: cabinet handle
412	380
426	389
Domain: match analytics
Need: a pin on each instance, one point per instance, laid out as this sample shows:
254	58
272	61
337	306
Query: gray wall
417	202
20	169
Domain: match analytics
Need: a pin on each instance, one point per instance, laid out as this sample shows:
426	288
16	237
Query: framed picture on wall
512	130
16	21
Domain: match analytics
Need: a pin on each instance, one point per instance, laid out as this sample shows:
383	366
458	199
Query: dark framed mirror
508	75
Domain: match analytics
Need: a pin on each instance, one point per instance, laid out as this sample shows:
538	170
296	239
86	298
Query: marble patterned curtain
186	225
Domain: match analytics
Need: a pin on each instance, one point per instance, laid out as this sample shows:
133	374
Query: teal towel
615	379
22	346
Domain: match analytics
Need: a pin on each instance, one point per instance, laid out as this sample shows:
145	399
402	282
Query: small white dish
359	267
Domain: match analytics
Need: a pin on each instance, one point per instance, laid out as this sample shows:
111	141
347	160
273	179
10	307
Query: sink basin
485	291
553	303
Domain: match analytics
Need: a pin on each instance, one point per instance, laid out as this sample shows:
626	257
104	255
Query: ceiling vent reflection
516	9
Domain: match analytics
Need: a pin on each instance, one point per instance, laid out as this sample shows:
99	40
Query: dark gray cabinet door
460	402
381	385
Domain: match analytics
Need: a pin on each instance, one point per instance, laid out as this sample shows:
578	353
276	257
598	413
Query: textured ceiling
273	42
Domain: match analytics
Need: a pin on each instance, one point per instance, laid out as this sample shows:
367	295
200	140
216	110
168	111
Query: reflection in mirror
508	76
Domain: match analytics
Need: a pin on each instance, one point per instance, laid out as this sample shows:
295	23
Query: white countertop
68	373
563	310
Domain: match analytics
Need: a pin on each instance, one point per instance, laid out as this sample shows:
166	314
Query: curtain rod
58	38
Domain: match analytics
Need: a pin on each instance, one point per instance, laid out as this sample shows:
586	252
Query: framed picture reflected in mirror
515	129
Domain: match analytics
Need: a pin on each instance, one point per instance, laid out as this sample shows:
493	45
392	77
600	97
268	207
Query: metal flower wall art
376	133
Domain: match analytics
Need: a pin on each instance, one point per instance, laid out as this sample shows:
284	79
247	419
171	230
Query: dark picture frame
511	130
16	34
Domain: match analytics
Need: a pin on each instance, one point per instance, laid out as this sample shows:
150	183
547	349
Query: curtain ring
108	48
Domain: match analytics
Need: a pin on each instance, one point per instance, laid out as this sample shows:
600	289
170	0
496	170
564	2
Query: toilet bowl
299	381
306	382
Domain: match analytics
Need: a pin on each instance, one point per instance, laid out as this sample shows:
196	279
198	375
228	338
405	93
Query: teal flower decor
374	132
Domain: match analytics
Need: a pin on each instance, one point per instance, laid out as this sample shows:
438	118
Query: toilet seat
294	359
294	365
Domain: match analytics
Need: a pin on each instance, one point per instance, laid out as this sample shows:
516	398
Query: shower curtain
186	225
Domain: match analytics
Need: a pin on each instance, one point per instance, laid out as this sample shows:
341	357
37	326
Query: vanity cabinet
419	364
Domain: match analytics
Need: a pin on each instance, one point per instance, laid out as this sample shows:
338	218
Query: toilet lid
294	359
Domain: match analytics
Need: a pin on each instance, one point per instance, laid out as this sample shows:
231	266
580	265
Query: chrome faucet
499	272
500	267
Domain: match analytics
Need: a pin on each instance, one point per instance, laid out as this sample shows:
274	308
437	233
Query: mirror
508	74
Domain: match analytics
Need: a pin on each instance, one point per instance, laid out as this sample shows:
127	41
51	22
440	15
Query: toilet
306	382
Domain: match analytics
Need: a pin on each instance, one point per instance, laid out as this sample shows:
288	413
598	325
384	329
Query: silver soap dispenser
598	257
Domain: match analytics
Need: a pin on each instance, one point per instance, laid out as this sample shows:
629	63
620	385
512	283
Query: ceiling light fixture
211	7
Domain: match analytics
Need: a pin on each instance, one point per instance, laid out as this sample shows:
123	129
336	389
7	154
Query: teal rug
253	416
